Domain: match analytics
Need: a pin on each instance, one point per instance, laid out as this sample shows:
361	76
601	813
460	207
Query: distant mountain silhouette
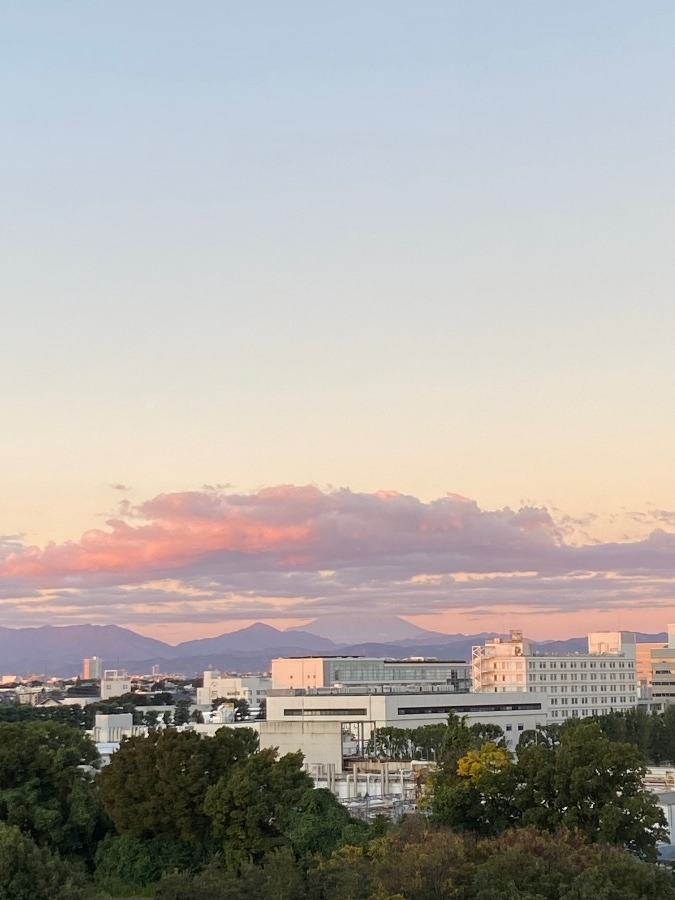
347	628
59	650
255	637
24	651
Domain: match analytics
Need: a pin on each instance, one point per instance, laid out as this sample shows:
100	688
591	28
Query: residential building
251	688
576	684
310	672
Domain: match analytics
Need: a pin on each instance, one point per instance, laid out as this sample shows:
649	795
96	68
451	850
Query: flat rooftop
415	661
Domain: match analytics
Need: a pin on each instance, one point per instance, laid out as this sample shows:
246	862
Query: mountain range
58	650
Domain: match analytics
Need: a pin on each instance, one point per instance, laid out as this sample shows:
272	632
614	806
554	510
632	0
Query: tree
528	863
422	863
471	797
428	741
124	861
43	790
589	784
181	713
392	743
544	735
488	760
457	741
280	877
319	824
346	875
252	806
155	786
29	872
488	733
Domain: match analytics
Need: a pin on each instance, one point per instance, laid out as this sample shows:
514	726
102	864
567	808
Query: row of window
461	710
419	710
574	701
326	712
582	688
534	664
602	689
612	676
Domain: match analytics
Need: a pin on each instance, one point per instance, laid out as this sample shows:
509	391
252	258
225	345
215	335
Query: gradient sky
422	249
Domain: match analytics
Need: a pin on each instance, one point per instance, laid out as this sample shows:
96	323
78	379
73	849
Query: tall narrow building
92	667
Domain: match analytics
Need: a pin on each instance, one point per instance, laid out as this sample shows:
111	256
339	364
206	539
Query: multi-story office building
663	670
252	688
576	685
310	672
643	667
92	668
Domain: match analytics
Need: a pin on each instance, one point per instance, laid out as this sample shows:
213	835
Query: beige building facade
663	670
251	688
576	685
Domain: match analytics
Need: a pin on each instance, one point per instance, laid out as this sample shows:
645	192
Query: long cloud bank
291	551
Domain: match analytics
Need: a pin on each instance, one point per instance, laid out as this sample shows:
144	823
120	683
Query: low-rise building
251	688
363	711
115	683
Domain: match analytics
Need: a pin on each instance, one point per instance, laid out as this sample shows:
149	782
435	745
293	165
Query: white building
252	688
114	683
308	672
576	684
108	732
363	711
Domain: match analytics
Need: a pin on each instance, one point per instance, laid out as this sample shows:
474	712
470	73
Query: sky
310	308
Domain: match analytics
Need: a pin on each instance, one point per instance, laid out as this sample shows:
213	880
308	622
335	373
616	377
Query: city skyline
314	309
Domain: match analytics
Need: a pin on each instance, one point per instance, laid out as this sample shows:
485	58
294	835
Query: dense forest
175	816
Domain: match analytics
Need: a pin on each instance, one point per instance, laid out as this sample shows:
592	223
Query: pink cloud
385	550
295	526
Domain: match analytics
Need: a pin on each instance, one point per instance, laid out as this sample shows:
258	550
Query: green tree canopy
590	784
253	806
43	790
523	864
155	786
29	872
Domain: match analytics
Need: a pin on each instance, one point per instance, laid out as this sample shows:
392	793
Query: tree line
175	817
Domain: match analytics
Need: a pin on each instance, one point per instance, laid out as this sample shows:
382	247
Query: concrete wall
320	742
303	672
410	710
